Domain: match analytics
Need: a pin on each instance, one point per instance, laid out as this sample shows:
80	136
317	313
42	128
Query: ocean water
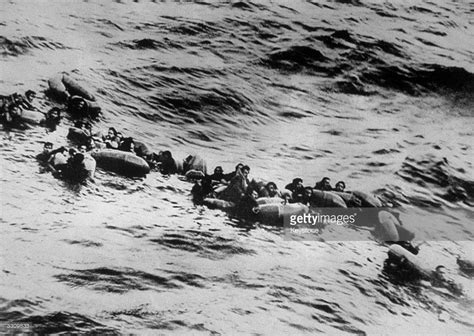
379	95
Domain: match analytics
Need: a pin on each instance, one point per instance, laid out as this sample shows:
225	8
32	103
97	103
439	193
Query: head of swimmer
47	147
54	114
340	186
82	149
30	95
218	170
271	189
112	133
298	182
239	167
245	171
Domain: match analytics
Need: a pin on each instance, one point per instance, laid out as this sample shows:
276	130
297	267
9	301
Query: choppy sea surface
378	94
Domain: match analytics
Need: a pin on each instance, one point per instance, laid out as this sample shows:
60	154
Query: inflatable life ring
32	117
276	213
215	203
403	258
367	200
386	229
326	199
270	200
62	87
121	162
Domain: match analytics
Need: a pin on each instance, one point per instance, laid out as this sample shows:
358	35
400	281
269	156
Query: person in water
297	190
340	186
231	175
44	156
88	161
308	193
237	186
110	139
127	145
75	170
210	182
166	163
53	118
271	190
324	184
247	207
295	184
58	160
26	102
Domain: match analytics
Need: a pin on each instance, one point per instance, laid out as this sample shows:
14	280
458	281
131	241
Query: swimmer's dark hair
341	182
49	144
297	180
246	168
271	184
113	130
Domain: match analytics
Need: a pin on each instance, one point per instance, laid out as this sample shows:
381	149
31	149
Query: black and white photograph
236	167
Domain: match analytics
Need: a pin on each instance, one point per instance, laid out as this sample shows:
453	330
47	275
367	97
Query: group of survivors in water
76	164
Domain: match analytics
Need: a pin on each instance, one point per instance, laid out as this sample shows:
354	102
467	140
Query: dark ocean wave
448	182
24	45
65	322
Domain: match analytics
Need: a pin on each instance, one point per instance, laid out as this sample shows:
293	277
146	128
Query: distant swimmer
340	186
324	184
44	156
53	118
166	163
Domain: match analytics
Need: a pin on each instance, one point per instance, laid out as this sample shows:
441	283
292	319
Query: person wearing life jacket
340	186
324	184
